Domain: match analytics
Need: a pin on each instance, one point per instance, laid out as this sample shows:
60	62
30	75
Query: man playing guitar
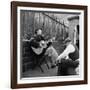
39	47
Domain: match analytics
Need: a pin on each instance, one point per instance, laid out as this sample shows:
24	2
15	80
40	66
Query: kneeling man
68	60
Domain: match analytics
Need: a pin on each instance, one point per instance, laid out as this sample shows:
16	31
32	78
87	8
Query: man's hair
37	30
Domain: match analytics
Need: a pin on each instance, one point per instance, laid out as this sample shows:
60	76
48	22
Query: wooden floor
47	72
38	73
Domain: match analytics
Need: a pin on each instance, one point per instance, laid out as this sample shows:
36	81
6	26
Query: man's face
39	32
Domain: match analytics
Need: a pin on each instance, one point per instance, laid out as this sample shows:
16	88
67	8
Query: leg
71	71
67	67
62	69
51	52
41	68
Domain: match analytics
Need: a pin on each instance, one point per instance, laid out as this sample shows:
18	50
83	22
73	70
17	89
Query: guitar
43	45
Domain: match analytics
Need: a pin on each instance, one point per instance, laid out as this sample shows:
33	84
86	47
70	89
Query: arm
70	48
34	43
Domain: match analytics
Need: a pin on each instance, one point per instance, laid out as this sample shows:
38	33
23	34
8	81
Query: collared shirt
69	49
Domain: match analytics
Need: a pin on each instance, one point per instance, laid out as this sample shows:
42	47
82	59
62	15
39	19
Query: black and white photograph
49	44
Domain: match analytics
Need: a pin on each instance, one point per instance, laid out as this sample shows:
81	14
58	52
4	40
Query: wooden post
43	22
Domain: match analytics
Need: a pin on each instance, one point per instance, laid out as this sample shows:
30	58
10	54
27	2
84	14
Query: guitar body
43	44
38	51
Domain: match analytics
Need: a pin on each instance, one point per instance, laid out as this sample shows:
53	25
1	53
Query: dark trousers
65	66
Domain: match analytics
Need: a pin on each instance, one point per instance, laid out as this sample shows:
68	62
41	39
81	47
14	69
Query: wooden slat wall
33	20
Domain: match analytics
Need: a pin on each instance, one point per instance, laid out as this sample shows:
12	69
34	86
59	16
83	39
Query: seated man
68	60
34	44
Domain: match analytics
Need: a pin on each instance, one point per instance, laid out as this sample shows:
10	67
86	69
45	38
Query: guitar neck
50	40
